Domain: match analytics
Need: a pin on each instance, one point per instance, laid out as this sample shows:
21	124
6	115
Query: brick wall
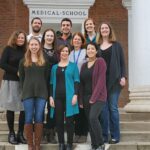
15	15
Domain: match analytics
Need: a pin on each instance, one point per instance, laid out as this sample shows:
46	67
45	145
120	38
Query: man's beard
36	30
68	33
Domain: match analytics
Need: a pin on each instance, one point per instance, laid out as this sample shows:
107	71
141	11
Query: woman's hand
123	81
18	73
81	106
74	100
91	102
51	100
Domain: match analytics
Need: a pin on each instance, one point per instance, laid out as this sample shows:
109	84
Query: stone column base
139	100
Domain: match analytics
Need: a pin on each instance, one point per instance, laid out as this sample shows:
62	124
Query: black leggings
60	107
50	122
10	120
81	123
93	112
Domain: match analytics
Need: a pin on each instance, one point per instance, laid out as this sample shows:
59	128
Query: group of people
78	77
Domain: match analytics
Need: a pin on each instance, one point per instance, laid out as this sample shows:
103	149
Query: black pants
60	107
81	123
93	112
50	122
10	120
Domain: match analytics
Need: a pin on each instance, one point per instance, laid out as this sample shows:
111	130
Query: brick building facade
15	15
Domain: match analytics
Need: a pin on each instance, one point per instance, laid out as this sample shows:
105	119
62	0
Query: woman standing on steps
78	56
34	74
48	43
113	54
63	96
10	98
93	93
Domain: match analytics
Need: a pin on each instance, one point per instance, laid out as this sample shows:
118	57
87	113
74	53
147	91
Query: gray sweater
34	80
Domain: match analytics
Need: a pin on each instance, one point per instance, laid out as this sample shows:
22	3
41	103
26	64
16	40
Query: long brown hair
40	57
13	39
85	32
43	38
112	36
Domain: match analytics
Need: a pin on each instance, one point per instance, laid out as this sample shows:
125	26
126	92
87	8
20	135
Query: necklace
63	69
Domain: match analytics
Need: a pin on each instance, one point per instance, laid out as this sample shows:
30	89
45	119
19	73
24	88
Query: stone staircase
135	134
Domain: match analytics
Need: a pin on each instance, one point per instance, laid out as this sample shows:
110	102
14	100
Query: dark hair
61	47
37	19
43	38
96	47
66	19
81	36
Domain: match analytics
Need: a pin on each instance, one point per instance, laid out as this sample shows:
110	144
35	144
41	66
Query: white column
139	57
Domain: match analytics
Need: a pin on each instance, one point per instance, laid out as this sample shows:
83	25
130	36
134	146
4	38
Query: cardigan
81	59
99	92
94	40
9	62
33	80
117	66
71	76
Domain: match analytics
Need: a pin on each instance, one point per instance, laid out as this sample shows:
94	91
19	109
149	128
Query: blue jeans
34	109
109	117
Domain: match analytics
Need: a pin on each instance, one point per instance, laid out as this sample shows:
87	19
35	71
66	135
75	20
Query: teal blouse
71	76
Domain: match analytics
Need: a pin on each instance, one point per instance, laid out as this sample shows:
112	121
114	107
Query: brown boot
29	135
38	129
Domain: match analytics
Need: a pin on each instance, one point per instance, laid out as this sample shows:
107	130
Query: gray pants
93	112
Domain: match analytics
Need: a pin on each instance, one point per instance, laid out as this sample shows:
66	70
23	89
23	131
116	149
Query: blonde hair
112	36
40	57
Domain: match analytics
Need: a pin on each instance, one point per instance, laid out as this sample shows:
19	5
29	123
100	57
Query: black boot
21	138
51	137
12	138
61	146
69	147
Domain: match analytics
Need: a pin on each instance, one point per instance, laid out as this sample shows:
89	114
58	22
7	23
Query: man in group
36	24
65	37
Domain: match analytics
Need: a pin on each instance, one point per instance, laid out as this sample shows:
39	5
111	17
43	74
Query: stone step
135	126
134	116
129	146
135	136
124	126
138	136
119	146
7	146
123	116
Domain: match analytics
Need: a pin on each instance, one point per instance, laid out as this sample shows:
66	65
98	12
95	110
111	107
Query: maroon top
99	92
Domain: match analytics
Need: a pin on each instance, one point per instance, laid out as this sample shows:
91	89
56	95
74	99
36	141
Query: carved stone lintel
59	3
126	4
